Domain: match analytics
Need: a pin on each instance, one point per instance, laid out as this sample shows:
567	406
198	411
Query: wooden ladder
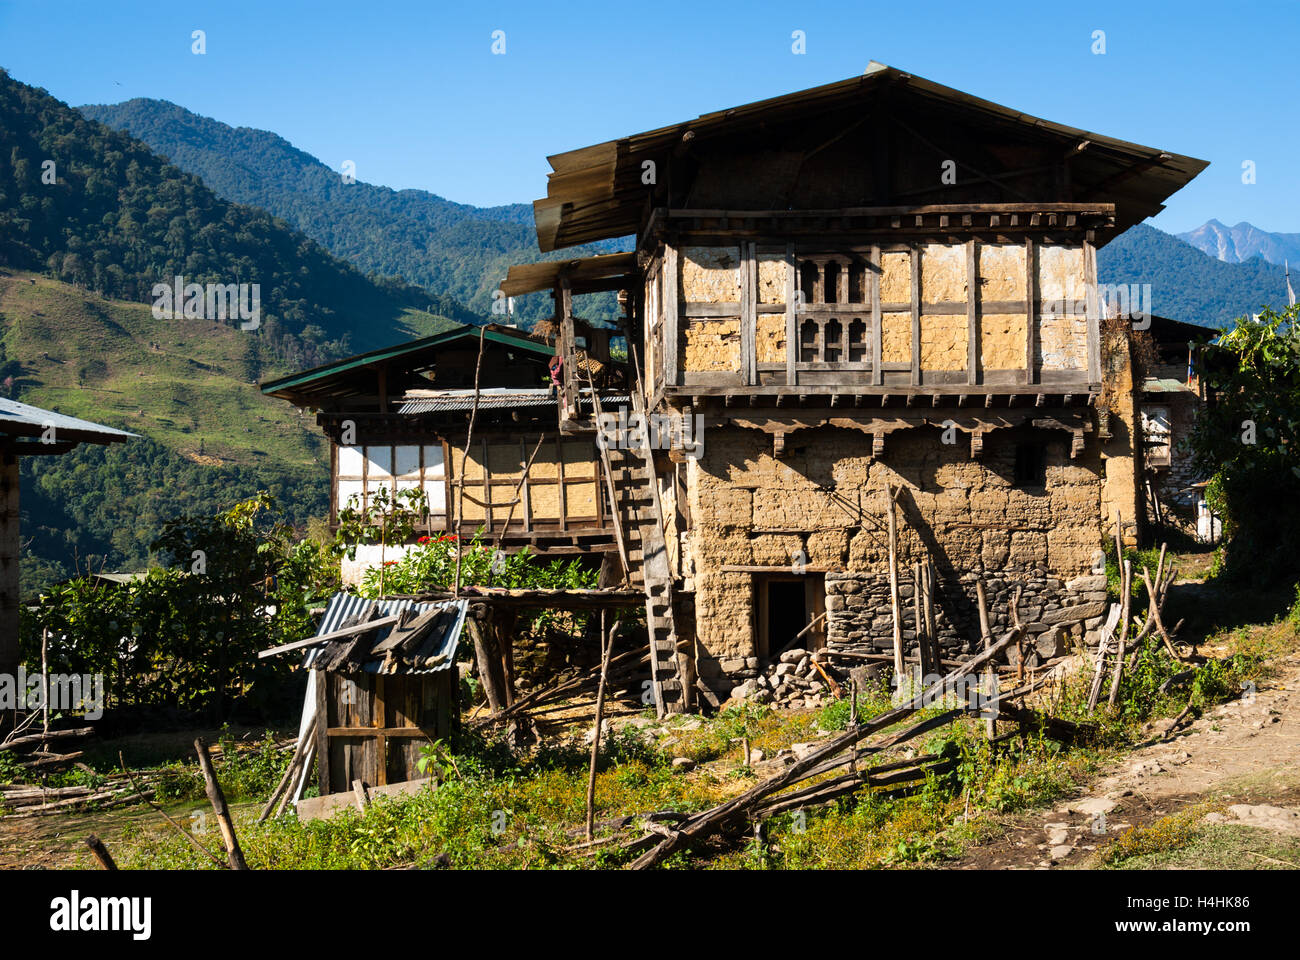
633	491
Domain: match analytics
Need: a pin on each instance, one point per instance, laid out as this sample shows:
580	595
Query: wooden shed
375	697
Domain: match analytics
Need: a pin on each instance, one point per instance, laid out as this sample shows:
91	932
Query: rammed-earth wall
824	504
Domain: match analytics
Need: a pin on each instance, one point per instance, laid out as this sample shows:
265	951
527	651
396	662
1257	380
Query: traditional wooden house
399	418
27	431
879	296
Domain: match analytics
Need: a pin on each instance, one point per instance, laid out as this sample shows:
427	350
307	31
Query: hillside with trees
94	207
458	250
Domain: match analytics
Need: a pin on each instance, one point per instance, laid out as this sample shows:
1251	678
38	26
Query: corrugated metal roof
596	193
582	273
30	421
495	334
452	400
441	646
1166	386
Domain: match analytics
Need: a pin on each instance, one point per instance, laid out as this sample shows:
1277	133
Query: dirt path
1242	754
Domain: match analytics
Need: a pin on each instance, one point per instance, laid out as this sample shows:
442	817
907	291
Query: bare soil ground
1236	765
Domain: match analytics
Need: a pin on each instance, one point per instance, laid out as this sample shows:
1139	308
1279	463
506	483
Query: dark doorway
784	605
786	614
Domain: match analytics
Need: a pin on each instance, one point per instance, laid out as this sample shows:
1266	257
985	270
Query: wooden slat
334	635
1094	320
378	710
748	311
916	315
669	307
972	322
322	732
876	360
791	318
1031	299
559	470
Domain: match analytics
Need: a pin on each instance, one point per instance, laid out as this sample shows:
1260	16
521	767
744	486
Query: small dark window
1031	465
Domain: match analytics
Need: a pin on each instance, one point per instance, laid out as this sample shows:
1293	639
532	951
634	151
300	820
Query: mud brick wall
1056	613
827	499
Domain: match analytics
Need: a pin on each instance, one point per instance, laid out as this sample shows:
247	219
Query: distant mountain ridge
452	248
92	206
1239	243
1187	284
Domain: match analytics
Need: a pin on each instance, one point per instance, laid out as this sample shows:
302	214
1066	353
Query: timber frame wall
855	240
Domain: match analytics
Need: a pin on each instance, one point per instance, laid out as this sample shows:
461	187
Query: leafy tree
187	636
1248	441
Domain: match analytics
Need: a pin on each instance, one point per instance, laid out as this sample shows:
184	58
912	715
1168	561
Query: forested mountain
90	221
1186	284
207	435
458	250
95	207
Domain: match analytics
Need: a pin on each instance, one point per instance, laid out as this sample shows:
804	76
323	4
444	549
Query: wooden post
791	315
300	751
464	461
990	724
9	584
894	605
101	852
972	321
323	773
669	306
488	667
45	685
1125	606
931	632
916	314
922	651
606	645
877	370
218	801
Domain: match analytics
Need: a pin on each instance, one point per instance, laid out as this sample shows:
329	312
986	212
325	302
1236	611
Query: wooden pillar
748	313
894	605
322	732
669	307
916	314
877	369
791	315
9	565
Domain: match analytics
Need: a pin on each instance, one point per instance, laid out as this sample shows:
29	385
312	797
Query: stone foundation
1055	613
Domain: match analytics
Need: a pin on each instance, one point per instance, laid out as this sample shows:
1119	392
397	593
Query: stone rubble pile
792	682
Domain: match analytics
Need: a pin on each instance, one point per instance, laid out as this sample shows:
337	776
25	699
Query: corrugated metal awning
22	419
452	400
439	647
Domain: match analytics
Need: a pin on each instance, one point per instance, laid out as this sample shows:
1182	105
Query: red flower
423	540
389	563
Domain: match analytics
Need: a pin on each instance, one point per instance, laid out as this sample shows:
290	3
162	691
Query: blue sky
412	93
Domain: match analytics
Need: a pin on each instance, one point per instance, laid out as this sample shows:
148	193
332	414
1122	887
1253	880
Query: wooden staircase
633	491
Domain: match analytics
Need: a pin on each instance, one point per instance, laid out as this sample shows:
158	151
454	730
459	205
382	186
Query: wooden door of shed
376	725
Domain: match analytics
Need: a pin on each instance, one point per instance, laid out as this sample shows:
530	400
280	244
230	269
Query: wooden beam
972	323
748	312
916	314
791	315
1093	312
333	635
1031	298
877	364
670	300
